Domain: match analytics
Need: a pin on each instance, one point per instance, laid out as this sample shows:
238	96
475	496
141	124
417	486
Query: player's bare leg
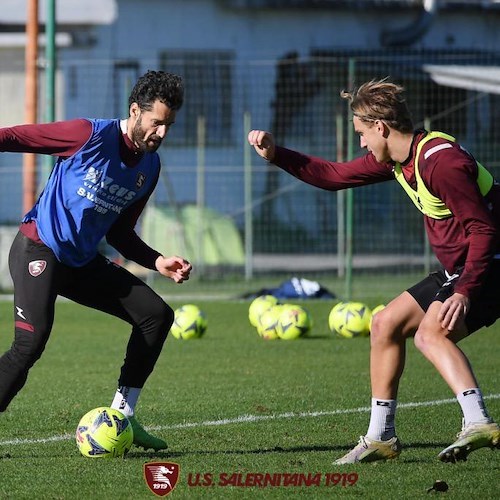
390	329
439	347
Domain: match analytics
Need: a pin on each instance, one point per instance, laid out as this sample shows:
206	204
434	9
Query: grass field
233	403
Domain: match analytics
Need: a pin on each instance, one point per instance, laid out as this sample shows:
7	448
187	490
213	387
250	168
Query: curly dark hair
158	85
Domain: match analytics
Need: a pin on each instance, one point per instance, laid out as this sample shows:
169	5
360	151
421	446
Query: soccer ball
350	319
189	322
104	433
293	322
375	310
268	322
258	306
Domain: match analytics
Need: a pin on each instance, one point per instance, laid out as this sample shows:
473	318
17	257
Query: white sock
381	426
473	408
125	400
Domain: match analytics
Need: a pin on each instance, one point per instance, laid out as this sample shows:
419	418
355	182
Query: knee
423	339
159	320
167	318
382	328
27	349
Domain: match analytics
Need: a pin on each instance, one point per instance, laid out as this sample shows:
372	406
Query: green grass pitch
232	403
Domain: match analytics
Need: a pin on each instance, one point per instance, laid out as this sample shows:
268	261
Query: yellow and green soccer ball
190	322
268	322
258	306
350	319
104	433
293	322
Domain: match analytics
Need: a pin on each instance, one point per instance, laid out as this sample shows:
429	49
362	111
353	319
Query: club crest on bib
93	175
37	267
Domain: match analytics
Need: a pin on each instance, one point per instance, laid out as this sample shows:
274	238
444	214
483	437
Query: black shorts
484	309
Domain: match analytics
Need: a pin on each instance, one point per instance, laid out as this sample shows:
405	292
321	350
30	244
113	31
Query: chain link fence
239	219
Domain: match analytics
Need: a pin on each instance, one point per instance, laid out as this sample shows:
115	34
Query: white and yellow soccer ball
268	322
350	319
189	323
294	321
258	306
104	433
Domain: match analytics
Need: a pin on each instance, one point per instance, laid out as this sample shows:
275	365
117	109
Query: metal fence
282	224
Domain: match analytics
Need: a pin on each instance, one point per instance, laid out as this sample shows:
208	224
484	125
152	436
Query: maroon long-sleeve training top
468	239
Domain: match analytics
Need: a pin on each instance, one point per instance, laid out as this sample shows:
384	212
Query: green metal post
200	194
50	77
247	162
340	201
427	246
349	194
50	60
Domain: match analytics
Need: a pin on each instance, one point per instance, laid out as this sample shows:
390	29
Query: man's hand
453	311
175	268
263	142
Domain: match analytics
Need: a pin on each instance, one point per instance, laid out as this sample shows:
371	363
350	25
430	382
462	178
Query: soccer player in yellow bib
460	203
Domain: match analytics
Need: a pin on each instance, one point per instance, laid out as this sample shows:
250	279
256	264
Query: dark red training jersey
468	239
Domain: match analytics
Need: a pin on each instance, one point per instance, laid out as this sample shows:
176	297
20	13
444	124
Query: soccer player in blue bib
103	177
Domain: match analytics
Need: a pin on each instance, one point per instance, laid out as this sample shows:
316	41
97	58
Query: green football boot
145	440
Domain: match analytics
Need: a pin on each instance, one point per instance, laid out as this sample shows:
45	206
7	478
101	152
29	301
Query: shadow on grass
277	449
168	455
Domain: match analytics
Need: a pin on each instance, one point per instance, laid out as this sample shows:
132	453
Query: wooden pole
31	103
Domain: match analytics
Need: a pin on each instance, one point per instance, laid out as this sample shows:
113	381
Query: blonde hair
380	100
